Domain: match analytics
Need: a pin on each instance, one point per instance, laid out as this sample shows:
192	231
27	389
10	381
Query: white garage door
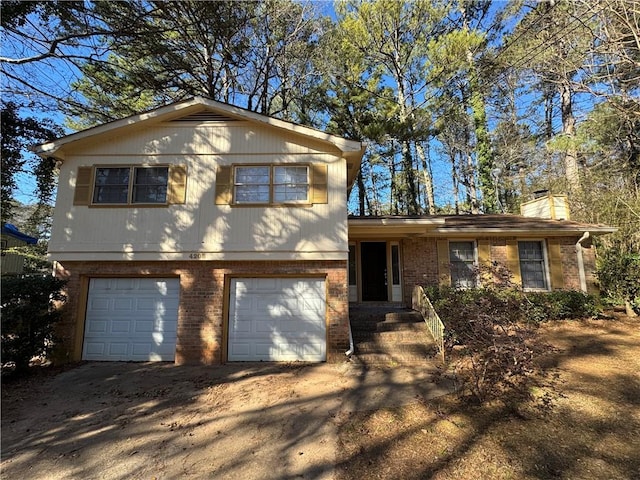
131	319
277	319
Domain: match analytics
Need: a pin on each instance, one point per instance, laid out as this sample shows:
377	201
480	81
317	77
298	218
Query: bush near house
618	271
490	335
28	309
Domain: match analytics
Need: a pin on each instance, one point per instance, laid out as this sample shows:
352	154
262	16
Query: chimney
546	205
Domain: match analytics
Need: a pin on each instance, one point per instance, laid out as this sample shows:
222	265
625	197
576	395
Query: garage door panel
262	326
97	304
290	326
118	349
96	327
240	350
144	326
146	304
91	348
131	319
120	326
269	321
123	304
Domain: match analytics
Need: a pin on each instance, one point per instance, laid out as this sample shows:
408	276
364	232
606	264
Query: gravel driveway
161	421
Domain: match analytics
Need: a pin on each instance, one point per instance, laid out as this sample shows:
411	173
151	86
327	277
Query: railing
420	302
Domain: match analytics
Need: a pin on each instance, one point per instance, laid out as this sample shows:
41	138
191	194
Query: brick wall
589	259
570	269
201	308
420	262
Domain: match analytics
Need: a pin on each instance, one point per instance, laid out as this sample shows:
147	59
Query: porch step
368	317
391	335
395	337
385	360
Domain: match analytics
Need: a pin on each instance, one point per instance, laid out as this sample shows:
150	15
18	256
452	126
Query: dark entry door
373	262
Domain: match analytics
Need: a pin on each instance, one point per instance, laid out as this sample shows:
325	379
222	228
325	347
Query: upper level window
462	258
533	268
271	184
130	185
291	184
252	184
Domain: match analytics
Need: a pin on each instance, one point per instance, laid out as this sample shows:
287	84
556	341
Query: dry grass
591	430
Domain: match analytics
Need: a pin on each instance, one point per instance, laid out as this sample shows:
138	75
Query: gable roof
465	225
204	109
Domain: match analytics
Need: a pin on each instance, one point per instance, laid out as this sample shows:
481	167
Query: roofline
390	221
351	148
568	231
437	227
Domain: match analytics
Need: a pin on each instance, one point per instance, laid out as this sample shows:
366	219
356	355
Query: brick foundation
201	312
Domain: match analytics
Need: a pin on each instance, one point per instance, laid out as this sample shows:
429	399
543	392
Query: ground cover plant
590	428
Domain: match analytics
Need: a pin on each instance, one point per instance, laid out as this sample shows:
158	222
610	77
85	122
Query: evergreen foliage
29	315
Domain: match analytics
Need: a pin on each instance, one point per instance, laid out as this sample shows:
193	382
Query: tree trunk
427	177
361	193
454	180
472	193
629	310
411	193
569	131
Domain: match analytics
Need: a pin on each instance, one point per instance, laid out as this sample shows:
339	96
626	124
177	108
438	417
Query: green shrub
29	314
560	305
619	274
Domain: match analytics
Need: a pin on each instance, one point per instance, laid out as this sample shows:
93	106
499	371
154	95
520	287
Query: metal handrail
421	303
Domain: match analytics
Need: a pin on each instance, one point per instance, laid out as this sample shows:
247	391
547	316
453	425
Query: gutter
349	352
581	274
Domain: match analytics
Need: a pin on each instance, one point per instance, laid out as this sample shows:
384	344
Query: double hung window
271	184
533	268
130	185
462	258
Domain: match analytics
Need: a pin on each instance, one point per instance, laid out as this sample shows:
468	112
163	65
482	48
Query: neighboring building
13	263
205	233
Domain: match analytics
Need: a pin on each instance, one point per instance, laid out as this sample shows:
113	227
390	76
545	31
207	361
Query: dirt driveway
160	421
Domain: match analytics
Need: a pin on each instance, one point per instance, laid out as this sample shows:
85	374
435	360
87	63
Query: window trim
545	265
85	185
271	201
131	185
476	262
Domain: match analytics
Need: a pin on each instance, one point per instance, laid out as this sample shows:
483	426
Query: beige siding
199	226
241	138
549	206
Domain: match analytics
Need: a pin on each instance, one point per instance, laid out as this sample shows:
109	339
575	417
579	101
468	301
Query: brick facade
420	261
420	264
201	312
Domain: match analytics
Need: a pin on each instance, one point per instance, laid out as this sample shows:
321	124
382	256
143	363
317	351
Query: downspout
349	352
581	274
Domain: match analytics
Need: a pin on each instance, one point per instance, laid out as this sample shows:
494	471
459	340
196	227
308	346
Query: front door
373	261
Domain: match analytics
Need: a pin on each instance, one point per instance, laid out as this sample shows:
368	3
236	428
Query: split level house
200	232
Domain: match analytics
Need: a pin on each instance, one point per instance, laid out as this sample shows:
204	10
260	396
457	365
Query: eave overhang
351	150
403	227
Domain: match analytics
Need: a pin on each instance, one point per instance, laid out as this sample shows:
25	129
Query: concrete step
414	335
367	318
395	360
420	326
415	349
391	335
